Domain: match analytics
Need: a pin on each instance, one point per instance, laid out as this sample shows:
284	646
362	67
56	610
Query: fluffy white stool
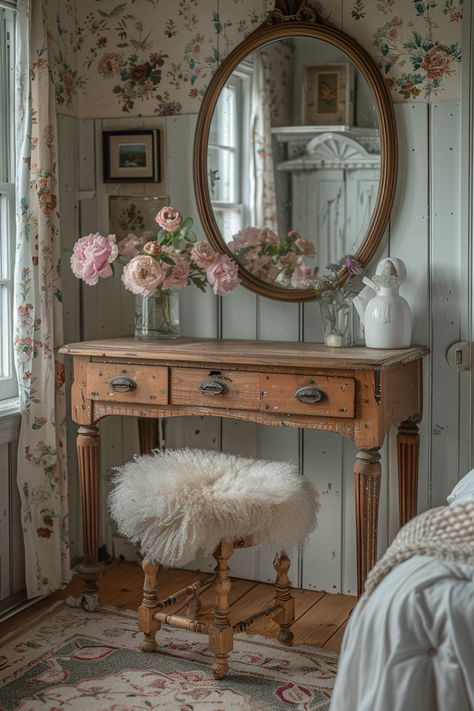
178	502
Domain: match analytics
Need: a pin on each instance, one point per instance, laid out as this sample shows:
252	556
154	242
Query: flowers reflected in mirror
278	260
335	299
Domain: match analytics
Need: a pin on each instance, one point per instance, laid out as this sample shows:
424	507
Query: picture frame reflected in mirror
328	92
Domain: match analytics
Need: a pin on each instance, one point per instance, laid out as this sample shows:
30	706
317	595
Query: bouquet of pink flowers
156	266
170	259
276	260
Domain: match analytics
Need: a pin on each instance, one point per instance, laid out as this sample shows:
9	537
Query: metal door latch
458	355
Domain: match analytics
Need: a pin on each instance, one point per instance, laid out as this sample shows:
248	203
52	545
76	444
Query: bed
410	647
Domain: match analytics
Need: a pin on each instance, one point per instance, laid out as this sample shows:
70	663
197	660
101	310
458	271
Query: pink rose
128	246
92	256
202	254
306	247
169	219
302	277
269	237
222	274
289	260
177	277
142	275
436	62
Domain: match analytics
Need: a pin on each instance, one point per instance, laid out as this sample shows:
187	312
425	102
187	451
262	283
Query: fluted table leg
408	449
89	570
367	476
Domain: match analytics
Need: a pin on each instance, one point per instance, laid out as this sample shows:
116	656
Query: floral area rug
69	659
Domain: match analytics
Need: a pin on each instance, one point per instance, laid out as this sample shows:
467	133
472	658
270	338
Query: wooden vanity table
356	392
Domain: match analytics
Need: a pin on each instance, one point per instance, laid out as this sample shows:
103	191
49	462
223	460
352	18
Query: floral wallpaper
156	57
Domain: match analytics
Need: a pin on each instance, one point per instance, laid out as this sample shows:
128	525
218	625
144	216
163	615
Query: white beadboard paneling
278	320
409	239
322	556
447	291
5	518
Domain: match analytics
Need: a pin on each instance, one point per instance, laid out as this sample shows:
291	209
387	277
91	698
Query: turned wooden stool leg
148	434
149	605
286	616
88	457
221	634
367	476
408	449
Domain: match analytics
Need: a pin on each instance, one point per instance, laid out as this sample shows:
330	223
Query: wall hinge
458	355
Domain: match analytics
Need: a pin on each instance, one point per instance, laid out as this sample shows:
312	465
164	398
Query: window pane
223	129
222	175
228	221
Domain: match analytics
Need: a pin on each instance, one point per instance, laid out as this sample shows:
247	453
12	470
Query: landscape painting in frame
327	95
131	156
130	214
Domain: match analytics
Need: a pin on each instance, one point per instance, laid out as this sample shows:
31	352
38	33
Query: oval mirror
295	155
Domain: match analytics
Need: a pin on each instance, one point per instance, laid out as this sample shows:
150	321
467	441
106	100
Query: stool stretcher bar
188	590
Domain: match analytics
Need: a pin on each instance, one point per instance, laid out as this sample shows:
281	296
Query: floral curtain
262	178
38	312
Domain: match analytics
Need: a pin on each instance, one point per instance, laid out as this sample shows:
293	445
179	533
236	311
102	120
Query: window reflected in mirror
293	160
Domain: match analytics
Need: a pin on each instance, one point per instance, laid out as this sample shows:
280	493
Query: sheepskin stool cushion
176	503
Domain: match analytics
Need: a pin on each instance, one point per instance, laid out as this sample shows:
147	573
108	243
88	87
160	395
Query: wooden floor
320	617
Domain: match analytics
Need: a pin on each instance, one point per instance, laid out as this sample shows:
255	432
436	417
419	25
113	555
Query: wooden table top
230	351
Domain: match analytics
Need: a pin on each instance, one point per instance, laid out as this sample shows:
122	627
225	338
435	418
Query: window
8	386
228	134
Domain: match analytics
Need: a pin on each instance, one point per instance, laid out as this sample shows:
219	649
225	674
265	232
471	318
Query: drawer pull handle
212	387
310	395
122	384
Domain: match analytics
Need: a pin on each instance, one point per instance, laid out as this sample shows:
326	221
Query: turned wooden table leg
408	449
148	434
221	634
367	475
149	606
89	570
286	616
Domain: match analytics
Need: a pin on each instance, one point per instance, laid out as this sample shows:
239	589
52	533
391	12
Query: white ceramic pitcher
385	314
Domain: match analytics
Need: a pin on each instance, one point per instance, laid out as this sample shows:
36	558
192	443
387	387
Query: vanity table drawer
119	382
326	396
215	388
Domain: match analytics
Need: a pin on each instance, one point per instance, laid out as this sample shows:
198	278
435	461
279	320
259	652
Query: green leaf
166	258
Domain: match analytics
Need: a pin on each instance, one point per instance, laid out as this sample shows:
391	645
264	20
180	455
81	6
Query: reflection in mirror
293	159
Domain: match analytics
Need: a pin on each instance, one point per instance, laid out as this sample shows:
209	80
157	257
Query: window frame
8	380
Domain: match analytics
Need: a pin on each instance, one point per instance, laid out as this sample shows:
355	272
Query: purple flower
352	264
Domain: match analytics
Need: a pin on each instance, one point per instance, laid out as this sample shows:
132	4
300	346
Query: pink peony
248	237
267	236
169	219
202	254
289	260
222	274
128	246
92	256
178	275
143	275
306	247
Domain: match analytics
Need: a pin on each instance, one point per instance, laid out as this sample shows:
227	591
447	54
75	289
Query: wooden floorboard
320	617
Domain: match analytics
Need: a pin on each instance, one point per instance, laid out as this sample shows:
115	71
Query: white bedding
411	648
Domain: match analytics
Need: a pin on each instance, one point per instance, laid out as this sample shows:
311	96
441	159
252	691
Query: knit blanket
446	532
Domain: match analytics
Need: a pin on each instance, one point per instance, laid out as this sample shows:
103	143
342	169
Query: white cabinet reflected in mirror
295	156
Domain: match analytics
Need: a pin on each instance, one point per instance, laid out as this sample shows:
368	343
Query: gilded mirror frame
282	25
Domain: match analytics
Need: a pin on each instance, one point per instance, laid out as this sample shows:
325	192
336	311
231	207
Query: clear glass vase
336	316
157	316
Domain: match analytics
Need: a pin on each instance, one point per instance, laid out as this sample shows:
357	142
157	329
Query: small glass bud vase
336	317
157	316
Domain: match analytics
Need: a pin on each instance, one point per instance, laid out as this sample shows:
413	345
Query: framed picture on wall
134	214
131	156
328	92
